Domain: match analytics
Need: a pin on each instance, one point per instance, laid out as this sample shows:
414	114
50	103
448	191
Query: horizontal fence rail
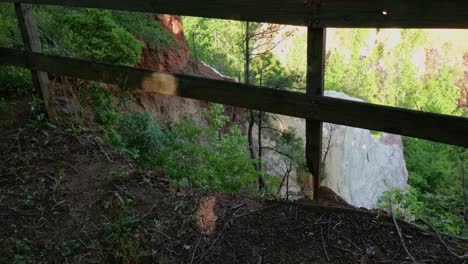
315	13
435	127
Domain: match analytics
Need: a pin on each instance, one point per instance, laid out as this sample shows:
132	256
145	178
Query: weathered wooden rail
316	13
313	106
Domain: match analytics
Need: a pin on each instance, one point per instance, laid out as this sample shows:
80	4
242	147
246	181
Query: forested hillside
381	67
127	177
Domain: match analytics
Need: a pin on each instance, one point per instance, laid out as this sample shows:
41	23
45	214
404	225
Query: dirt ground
67	197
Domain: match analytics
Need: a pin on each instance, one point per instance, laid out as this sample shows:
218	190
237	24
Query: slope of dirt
66	197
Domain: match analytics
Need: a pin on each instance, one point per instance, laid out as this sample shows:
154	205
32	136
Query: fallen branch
103	151
454	236
401	238
437	233
237	206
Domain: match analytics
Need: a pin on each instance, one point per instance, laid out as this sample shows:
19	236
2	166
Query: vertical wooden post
316	45
32	43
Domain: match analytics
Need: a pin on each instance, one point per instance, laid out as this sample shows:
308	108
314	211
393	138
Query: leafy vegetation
191	154
435	170
222	44
103	35
117	37
383	75
437	180
218	43
119	230
93	34
250	59
440	209
143	26
203	157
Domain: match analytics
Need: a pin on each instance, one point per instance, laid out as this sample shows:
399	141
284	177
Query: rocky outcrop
359	166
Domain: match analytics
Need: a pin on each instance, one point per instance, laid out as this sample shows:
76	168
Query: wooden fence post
316	45
32	43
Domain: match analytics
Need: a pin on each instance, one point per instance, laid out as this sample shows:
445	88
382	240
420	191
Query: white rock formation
359	166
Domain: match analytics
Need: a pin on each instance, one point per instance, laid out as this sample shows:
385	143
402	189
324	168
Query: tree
260	67
244	50
218	43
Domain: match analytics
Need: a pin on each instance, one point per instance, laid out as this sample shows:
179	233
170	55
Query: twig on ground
237	206
18	142
337	224
454	236
125	191
401	238
353	244
323	244
103	151
437	233
255	211
195	249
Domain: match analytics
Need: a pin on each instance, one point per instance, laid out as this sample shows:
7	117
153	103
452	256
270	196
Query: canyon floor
67	197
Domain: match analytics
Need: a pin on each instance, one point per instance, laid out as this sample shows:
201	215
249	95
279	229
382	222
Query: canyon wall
359	166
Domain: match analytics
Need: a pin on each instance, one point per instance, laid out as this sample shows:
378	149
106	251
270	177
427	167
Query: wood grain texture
435	127
31	42
316	46
322	13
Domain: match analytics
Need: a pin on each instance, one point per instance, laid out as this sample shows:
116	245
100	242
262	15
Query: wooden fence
317	15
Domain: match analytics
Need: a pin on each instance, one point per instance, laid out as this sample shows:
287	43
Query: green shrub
143	26
402	203
138	136
105	113
442	210
15	81
190	154
93	34
201	157
131	133
118	234
9	31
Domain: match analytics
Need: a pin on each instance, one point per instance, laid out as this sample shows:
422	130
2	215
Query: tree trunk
260	147
247	54
195	50
250	138
247	81
260	127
